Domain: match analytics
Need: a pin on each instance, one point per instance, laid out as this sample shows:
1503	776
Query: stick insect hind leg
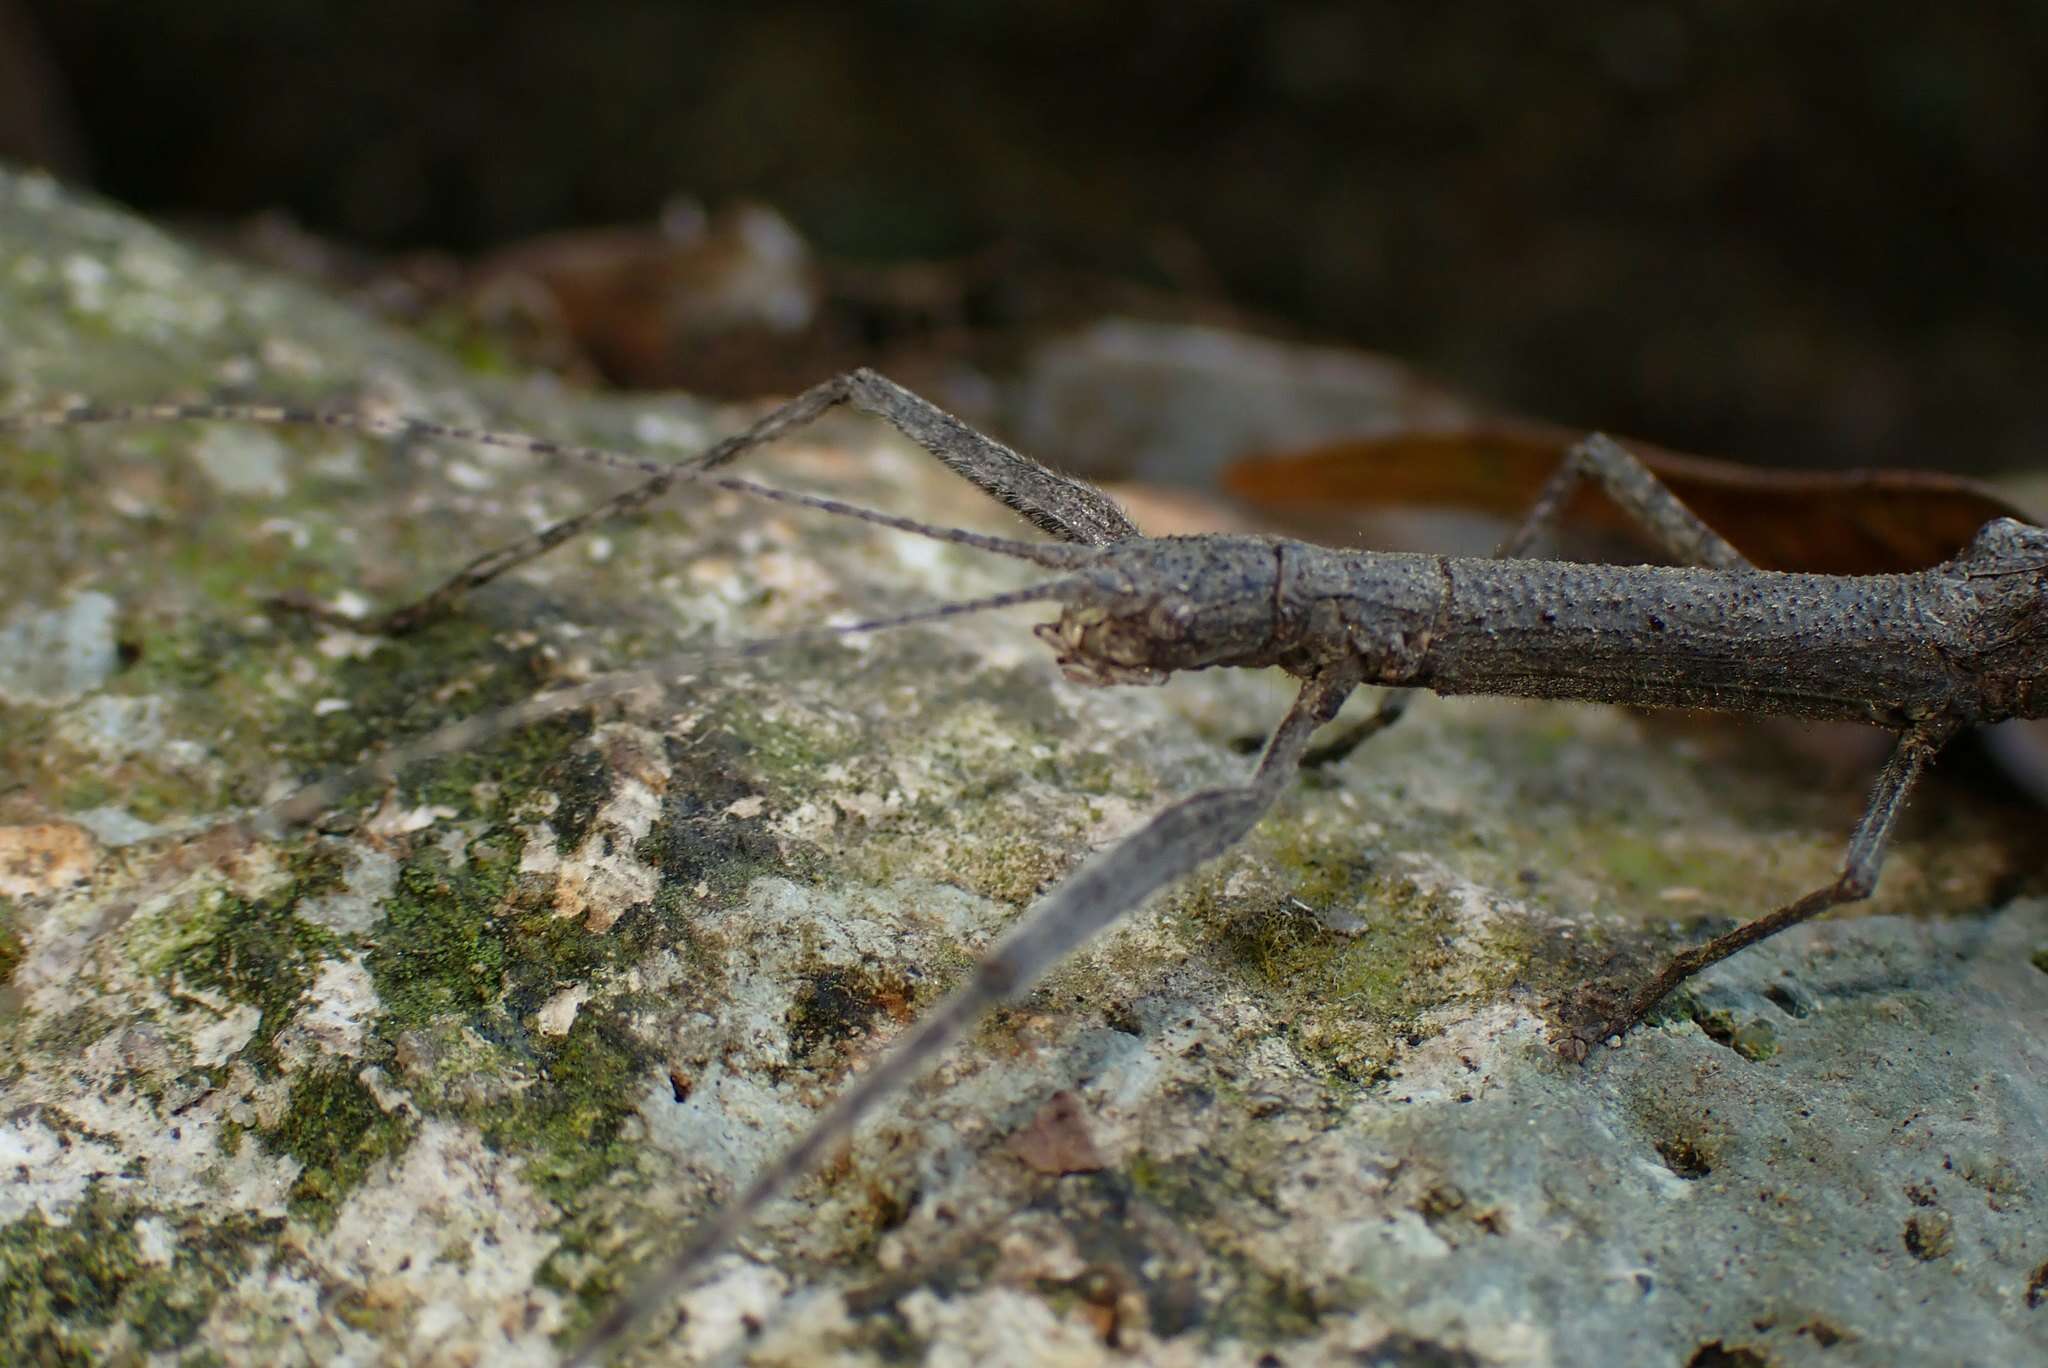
1916	747
1634	488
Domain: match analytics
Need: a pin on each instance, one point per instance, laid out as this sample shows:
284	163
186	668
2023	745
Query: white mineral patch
602	878
999	1327
47	1170
60	653
723	1313
538	855
272	1316
844	926
243	461
1466	1057
112	826
155	1241
393	820
342	644
558	1014
729	1126
220	1036
290	357
147	263
371	876
291	530
87	278
464	475
448	1239
111	725
339	1005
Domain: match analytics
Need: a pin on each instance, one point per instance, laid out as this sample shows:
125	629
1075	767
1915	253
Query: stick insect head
1150	606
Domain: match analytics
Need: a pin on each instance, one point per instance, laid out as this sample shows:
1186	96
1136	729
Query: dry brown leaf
1835	522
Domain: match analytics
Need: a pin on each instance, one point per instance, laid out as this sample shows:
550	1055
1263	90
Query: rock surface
427	1083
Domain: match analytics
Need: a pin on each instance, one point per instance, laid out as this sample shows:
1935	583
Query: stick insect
1922	655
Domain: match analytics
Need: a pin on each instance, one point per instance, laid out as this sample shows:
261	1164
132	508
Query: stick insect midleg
1921	655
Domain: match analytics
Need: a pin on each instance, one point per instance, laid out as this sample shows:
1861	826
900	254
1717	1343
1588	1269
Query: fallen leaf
1847	522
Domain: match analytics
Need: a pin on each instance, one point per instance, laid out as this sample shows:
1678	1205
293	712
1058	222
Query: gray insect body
1148	607
1883	649
1964	639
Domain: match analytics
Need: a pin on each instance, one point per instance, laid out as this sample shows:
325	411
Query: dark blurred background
1807	233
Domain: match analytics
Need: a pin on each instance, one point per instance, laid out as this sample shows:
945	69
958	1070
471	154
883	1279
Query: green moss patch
63	1286
255	952
440	948
12	948
335	1129
570	1131
1348	997
837	1003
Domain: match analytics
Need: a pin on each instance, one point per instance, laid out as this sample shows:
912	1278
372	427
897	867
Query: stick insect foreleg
1062	507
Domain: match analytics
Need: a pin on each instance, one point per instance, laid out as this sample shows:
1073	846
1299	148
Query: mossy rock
431	1080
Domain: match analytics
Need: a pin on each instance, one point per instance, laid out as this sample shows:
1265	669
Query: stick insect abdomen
2004	573
1879	648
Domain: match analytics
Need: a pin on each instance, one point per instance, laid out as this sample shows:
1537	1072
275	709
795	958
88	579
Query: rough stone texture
428	1083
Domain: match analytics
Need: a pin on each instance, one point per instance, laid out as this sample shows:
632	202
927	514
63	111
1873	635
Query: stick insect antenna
304	804
1051	555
